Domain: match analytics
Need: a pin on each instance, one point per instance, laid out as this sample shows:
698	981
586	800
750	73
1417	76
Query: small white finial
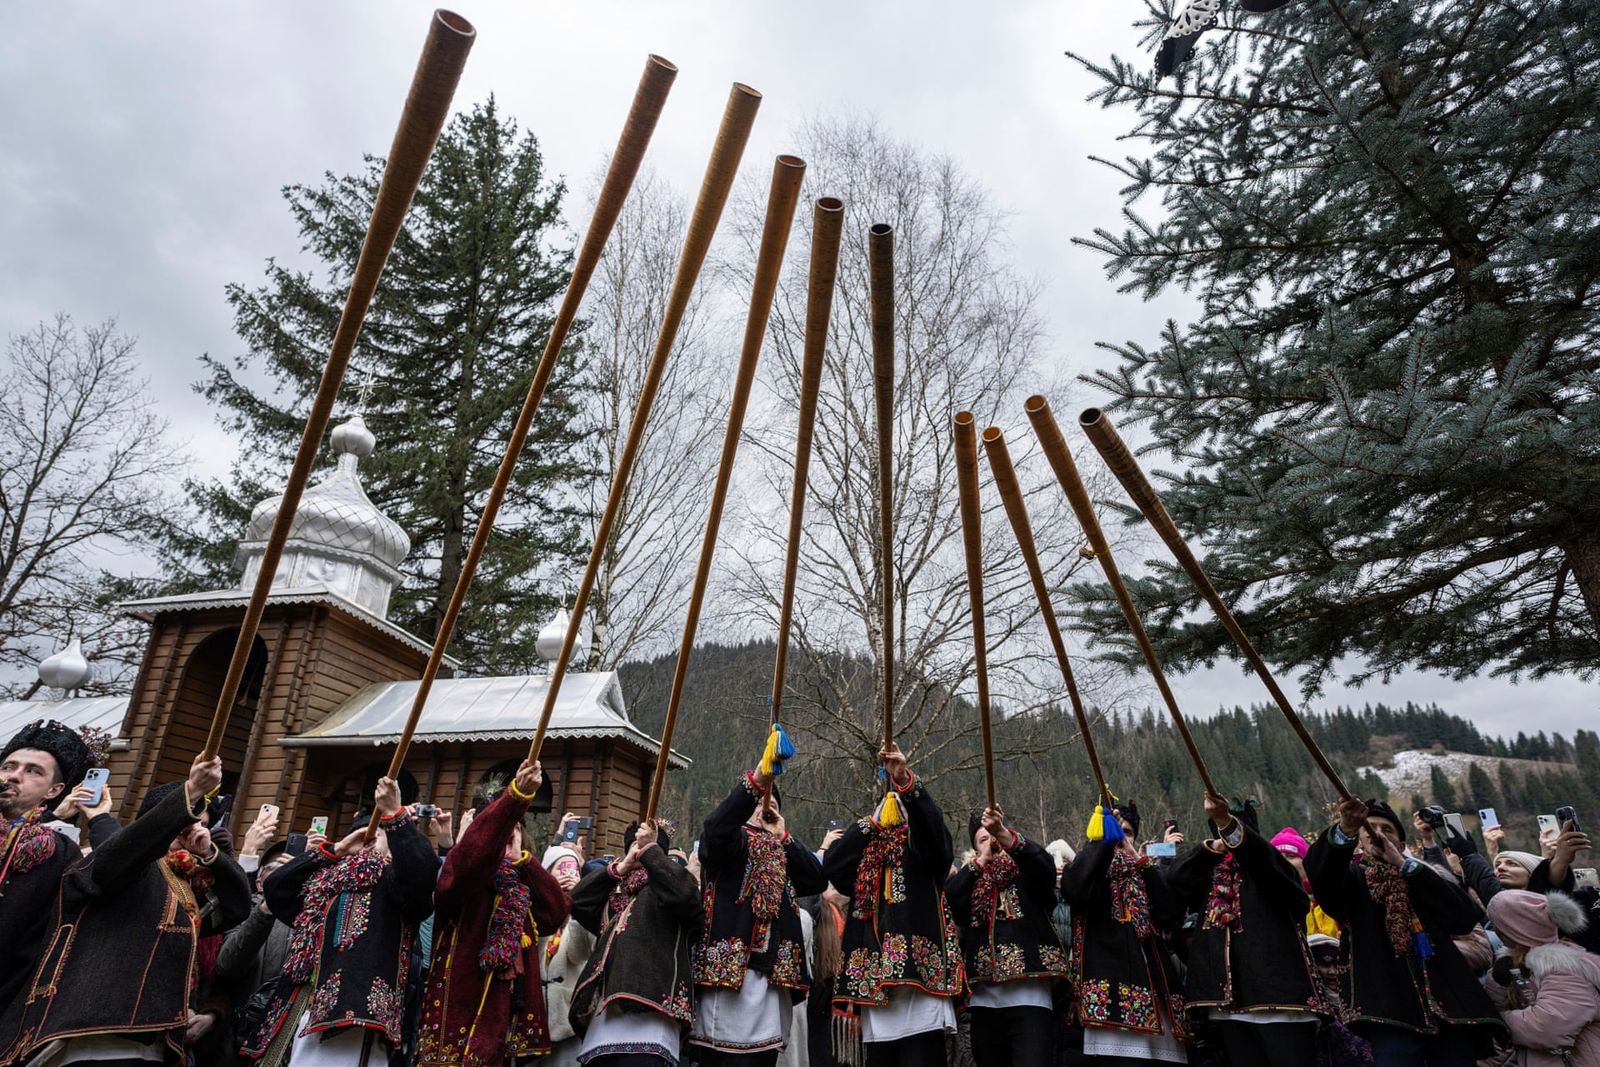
352	438
67	669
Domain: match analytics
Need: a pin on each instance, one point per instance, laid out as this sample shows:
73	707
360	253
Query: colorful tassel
1420	942
1104	826
778	749
890	814
786	749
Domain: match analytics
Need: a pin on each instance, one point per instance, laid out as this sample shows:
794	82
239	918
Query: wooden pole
1103	435
734	132
966	439
782	198
1005	480
648	100
880	277
827	223
1060	457
444	54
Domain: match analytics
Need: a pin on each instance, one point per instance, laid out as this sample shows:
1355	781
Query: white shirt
753	1018
1025	993
909	1012
641	1033
98	1048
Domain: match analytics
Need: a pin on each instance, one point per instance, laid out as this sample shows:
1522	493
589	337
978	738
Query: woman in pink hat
1548	989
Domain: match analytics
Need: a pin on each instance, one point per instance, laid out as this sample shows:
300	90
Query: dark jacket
470	1015
737	863
120	958
28	897
1012	937
1260	961
1381	986
360	942
899	931
1119	974
643	958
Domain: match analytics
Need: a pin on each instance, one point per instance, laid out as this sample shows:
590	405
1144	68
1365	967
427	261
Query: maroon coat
471	1016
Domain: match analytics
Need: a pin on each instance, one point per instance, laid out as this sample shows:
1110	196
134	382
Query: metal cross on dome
364	392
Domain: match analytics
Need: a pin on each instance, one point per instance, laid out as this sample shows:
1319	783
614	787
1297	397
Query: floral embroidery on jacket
1094	999
323	1001
720	963
1138	1007
384	1004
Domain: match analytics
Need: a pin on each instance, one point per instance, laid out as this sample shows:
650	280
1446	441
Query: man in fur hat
1249	964
114	981
633	1001
1413	997
1123	994
750	968
38	768
1002	901
354	908
485	1002
902	954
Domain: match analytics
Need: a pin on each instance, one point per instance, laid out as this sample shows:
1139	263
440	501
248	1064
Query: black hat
1377	809
663	837
157	794
1130	812
64	744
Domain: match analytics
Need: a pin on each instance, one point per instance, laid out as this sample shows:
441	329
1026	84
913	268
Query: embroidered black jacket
746	871
1011	937
119	958
899	930
1118	965
1258	960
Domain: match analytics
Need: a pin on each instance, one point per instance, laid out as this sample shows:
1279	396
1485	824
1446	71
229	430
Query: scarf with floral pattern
765	874
885	852
1222	906
627	889
27	844
352	874
1129	901
993	878
503	945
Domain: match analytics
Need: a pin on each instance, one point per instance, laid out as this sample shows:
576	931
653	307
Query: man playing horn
355	908
1002	901
1249	964
902	955
114	981
750	969
485	1000
1123	995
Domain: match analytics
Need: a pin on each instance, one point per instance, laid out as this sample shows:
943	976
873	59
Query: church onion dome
338	538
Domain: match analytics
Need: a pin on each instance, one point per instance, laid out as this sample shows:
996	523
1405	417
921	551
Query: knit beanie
1526	860
1290	842
1522	917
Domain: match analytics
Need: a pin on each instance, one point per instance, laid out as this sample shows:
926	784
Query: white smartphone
1453	820
1161	849
96	780
268	813
319	825
1585	878
1488	818
1548	825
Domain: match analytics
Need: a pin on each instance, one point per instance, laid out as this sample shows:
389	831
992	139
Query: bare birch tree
85	468
643	582
967	337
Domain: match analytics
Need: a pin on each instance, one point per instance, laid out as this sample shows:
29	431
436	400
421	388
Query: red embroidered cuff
399	818
908	787
327	851
753	784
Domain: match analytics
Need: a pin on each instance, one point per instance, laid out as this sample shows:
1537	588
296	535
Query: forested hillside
1250	751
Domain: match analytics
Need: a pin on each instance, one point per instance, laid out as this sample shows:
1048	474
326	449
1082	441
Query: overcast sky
144	147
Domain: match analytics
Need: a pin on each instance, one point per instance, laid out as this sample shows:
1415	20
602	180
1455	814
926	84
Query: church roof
483	709
104	713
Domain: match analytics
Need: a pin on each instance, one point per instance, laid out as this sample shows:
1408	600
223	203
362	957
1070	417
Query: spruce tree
450	344
1385	407
1480	788
1444	791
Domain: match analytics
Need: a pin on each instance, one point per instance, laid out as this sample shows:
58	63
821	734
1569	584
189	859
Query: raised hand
530	776
205	775
1352	813
894	764
386	798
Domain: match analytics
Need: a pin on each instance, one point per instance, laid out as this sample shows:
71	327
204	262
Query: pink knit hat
1290	843
1522	917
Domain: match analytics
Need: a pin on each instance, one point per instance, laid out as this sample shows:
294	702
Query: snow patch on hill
1411	770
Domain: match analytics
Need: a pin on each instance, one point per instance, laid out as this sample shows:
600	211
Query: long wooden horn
827	224
648	100
1005	480
782	198
1103	435
444	54
1060	457
966	437
734	132
880	280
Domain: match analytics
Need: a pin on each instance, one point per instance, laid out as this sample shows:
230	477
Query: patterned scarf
503	945
354	874
27	844
884	853
184	864
1129	903
1388	888
993	879
1222	907
626	890
765	874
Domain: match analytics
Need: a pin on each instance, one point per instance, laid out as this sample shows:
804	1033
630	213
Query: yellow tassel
769	754
1097	824
891	816
527	942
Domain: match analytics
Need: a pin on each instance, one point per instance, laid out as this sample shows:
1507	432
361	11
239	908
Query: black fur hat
1377	809
157	794
1130	812
64	744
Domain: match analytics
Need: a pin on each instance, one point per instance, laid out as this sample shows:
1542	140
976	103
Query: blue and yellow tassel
779	748
1104	826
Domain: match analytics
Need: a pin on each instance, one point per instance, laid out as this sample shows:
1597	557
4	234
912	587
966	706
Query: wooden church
330	682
